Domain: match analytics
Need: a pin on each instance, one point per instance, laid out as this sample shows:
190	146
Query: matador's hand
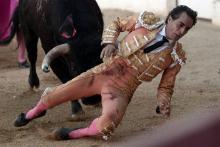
108	51
163	108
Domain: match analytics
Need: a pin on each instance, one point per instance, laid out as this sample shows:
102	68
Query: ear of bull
53	54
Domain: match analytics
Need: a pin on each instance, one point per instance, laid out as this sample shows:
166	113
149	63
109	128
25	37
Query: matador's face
177	28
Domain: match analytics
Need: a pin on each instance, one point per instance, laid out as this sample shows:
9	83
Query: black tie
156	45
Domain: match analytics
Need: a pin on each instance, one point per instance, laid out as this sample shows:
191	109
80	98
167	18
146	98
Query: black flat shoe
22	121
24	64
62	133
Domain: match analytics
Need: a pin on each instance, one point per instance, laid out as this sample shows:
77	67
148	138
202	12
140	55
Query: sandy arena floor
197	89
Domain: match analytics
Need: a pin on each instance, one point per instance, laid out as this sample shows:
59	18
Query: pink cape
7	8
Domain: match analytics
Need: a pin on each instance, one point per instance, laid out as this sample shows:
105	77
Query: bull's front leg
31	45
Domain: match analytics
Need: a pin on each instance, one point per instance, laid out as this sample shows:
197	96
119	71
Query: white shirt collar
163	32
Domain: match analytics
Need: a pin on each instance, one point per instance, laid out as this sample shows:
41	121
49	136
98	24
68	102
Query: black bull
76	22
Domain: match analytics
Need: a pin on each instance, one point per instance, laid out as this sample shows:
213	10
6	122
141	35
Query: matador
150	47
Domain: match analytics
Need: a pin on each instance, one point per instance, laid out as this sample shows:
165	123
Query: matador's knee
44	98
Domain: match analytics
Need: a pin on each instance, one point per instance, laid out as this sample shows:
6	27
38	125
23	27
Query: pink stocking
21	48
33	113
89	131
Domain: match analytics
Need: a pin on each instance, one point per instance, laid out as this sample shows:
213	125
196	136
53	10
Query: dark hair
177	11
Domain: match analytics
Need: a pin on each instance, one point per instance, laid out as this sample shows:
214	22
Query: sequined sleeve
113	30
165	89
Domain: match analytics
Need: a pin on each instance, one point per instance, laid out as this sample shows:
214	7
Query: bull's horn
54	53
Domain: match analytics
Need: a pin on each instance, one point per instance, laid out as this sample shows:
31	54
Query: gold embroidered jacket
142	31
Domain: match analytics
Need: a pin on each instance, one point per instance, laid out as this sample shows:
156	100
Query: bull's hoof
76	107
22	121
34	81
78	116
